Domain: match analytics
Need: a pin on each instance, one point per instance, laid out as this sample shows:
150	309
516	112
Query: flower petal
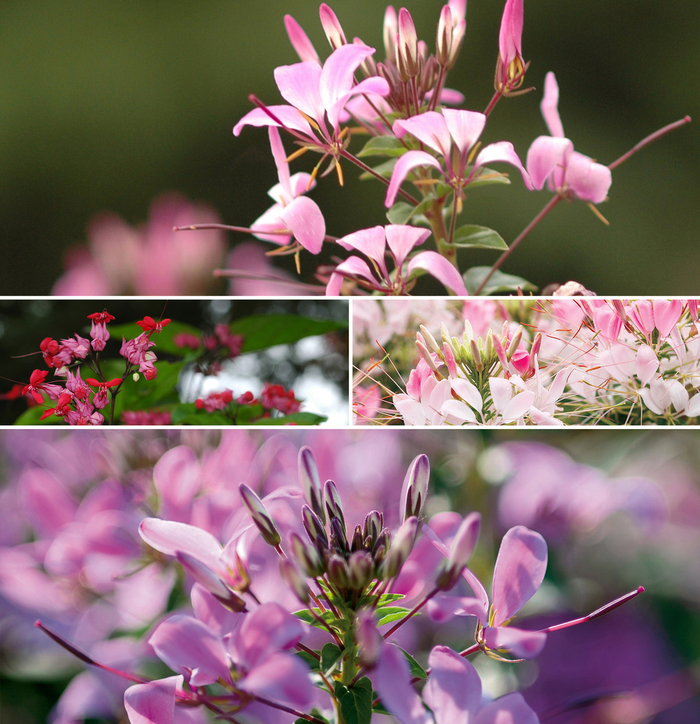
523	644
283	678
392	679
549	106
465	127
305	220
169	537
299	85
441	269
508	709
429	128
502	152
548	155
589	180
402	239
453	690
154	702
403	166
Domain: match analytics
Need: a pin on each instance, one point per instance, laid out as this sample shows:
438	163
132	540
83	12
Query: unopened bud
314	528
445	334
401	548
391	30
261	518
338	572
358	539
338	540
306	556
468	335
500	353
407	47
310	481
211	581
331	27
515	342
450	361
534	351
476	355
423	351
415	487
430	342
360	564
488	346
373	525
334	504
136	377
294	578
443	44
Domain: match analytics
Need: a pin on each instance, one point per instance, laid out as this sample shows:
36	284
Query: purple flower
552	159
400	240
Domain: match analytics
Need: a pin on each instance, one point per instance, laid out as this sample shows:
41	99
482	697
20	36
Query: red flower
148	324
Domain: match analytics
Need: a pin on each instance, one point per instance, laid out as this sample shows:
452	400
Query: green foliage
499	283
416	669
472	236
383	146
164	340
355	702
263	331
330	656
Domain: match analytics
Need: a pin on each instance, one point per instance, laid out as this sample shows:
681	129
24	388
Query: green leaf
299	418
144	394
499	283
188	414
416	669
330	655
390	614
383	146
384	169
478	237
355	703
164	340
487	177
268	330
31	416
309	660
402	212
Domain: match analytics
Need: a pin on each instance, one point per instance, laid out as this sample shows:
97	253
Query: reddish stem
649	139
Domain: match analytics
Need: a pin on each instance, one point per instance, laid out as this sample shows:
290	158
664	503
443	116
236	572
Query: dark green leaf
499	283
299	418
355	703
478	237
188	414
263	331
384	169
383	146
330	655
416	669
31	416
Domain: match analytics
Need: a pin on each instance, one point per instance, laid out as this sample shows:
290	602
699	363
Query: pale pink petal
501	392
375	85
392	679
667	312
305	220
282	678
402	239
508	709
300	40
468	392
642	313
546	156
299	85
45	502
281	162
403	166
465	127
693	409
371	242
271	221
286	116
169	536
429	128
445	608
177	478
441	269
453	690
511	31
589	180
263	632
549	106
647	363
353	266
410	410
679	396
523	644
457	412
519	571
211	613
518	406
154	702
502	152
184	643
481	596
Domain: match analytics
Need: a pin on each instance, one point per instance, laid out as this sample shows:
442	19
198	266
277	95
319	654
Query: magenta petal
369	86
429	128
508	709
465	127
548	155
511	31
523	644
453	690
549	106
299	85
392	680
264	632
502	152
305	220
187	644
300	40
403	166
519	571
441	269
589	180
282	678
168	537
152	703
402	239
371	242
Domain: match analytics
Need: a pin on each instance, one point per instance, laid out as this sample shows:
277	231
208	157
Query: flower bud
534	351
415	487
334	504
338	540
294	578
391	30
500	353
443	43
423	351
373	525
468	335
488	346
360	565
358	539
261	518
338	572
430	342
476	355
449	360
314	528
331	27
407	47
401	548
310	482
515	342
306	557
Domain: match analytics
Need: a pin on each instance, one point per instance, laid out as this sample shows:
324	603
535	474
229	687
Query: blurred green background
103	106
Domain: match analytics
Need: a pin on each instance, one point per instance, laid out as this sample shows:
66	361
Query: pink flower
215	401
439	131
510	69
37	385
552	159
400	240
